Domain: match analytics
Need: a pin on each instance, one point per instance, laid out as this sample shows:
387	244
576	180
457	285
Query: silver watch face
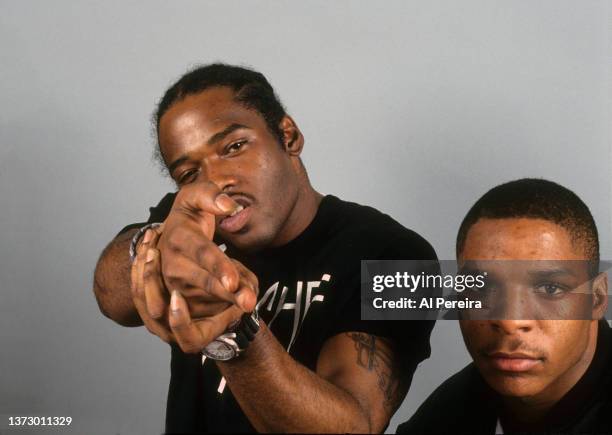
219	351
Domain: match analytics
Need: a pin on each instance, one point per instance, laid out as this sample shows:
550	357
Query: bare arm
357	386
112	282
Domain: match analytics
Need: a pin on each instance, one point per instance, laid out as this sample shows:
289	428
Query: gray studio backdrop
413	107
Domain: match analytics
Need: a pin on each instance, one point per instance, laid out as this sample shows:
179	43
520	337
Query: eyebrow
213	139
551	273
172	166
225	132
538	274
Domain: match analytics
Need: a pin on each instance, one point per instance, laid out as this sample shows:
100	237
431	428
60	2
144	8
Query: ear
293	140
600	295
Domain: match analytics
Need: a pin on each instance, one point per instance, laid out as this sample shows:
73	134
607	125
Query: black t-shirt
309	292
465	404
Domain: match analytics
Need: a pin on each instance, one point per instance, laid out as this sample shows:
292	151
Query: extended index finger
204	197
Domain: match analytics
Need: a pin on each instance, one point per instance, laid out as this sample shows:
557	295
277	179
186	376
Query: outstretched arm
112	282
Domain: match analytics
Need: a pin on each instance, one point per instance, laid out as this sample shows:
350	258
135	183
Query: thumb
204	200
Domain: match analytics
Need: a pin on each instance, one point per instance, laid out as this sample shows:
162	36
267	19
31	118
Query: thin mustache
513	346
239	195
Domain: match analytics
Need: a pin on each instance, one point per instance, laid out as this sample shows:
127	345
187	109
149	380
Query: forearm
112	282
280	395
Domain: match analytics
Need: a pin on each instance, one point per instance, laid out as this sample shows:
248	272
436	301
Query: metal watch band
139	234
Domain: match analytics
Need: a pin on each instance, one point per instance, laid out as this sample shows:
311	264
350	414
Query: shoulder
368	228
446	409
162	209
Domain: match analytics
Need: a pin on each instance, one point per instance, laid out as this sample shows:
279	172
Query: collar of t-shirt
316	230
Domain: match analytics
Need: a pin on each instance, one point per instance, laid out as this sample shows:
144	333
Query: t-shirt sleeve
159	213
409	337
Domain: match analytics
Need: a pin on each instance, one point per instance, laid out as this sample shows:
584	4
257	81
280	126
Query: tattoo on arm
380	360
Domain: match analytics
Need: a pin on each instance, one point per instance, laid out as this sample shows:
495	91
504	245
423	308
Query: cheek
566	343
475	333
276	180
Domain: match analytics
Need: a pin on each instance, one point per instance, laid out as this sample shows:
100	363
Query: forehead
195	118
520	239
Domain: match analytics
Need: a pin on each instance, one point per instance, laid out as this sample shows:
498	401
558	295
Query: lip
233	224
241	198
515	362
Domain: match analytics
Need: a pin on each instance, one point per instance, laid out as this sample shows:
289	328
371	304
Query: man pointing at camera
254	277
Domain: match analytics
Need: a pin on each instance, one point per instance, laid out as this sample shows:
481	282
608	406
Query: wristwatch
234	342
139	234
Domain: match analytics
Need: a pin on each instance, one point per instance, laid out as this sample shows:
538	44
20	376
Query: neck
302	213
521	413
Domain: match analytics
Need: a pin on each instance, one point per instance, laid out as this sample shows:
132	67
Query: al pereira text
426	303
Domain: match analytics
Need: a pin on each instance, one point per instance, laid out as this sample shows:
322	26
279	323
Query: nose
512	311
511	327
219	173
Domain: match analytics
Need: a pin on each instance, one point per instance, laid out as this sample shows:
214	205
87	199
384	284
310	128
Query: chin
248	241
514	385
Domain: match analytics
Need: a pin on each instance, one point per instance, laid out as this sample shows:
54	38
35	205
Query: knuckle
232	278
169	270
178	329
195	276
174	281
231	272
197	279
149	274
156	312
175	239
208	284
203	254
215	267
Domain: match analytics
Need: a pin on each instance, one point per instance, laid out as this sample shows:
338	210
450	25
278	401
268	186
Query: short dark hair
538	199
252	90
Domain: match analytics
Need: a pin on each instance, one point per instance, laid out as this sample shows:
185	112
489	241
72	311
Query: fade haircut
251	89
537	199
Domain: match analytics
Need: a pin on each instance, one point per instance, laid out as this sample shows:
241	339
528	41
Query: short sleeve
410	337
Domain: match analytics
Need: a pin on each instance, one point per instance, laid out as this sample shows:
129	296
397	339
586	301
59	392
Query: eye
187	176
234	147
550	289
